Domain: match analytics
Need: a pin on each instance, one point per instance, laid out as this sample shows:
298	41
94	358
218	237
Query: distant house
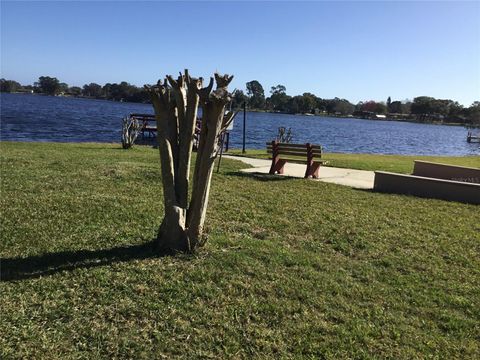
369	115
25	91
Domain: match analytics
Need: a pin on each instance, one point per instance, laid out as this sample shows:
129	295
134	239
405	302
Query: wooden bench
285	152
145	121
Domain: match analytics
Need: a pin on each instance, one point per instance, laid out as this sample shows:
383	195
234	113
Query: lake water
49	118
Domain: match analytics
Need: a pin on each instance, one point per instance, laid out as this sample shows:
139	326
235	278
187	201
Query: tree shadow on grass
365	190
259	176
36	266
151	143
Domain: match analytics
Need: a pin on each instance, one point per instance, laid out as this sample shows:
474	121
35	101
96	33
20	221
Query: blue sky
353	50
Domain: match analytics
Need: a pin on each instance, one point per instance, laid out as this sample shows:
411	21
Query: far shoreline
268	111
368	119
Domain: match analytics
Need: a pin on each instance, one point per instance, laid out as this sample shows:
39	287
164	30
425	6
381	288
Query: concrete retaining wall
427	187
447	172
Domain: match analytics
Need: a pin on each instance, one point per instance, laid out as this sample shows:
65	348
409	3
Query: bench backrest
299	150
143	117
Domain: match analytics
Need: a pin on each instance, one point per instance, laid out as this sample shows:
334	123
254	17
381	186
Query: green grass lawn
292	268
394	163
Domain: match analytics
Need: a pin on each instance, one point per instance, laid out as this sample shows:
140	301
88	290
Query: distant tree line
52	86
422	108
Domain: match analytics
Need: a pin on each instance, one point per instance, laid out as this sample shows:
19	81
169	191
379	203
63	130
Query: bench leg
313	170
277	166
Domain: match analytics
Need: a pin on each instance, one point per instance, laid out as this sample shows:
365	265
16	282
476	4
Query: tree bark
208	149
176	112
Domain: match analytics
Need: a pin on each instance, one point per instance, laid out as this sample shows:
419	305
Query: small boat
473	138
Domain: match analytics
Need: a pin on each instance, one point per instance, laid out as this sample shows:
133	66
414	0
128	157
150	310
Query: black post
244	124
222	140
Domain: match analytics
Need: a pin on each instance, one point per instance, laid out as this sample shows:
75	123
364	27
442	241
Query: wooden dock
148	130
473	138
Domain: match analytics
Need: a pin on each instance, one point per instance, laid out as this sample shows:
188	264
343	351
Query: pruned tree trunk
176	103
130	130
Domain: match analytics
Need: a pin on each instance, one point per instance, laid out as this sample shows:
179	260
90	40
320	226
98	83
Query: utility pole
244	124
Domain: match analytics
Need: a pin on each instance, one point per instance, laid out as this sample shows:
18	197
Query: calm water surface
49	118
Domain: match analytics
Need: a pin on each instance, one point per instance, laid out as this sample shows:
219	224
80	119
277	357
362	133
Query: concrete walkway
359	179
